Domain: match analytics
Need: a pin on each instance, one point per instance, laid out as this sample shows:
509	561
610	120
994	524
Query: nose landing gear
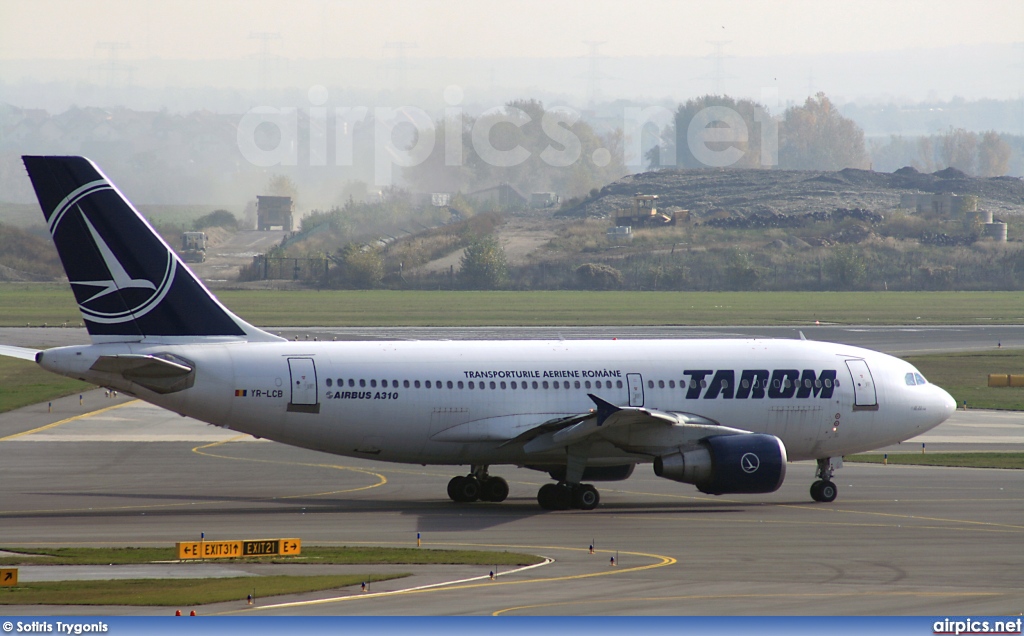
823	490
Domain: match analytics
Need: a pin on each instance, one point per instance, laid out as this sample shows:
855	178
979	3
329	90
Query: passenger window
437	384
427	384
746	384
817	384
587	384
362	383
329	382
514	385
471	385
502	385
597	384
725	384
703	384
416	384
351	382
492	384
775	383
909	379
405	383
618	383
920	378
693	384
373	383
807	383
661	384
460	384
828	384
577	383
671	384
535	384
450	384
544	384
650	384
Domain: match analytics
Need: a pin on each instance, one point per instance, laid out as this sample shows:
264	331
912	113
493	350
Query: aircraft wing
18	352
608	422
619	424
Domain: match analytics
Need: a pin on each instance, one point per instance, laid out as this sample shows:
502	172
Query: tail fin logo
122	297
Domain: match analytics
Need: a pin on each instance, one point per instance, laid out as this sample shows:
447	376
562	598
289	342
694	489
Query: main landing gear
563	496
823	489
477	485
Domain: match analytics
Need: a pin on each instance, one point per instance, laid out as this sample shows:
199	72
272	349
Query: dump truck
644	213
193	247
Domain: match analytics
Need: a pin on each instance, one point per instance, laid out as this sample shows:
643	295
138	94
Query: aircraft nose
946	404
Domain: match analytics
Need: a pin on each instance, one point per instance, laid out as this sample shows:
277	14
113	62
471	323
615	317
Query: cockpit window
911	381
920	378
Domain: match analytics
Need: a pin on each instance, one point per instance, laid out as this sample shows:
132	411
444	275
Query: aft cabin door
636	389
304	393
864	397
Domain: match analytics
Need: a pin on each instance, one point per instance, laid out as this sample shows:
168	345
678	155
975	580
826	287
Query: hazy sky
222	29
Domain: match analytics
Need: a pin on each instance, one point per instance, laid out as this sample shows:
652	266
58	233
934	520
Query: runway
899	540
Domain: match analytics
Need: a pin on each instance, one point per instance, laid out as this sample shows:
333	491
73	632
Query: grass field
342	555
53	304
965	376
23	383
174	592
958	460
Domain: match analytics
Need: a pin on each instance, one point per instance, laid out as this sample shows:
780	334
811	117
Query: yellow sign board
188	550
8	577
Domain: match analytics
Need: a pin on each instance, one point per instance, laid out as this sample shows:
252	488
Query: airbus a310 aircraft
723	415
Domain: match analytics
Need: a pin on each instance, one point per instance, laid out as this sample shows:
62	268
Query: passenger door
636	389
864	397
303	386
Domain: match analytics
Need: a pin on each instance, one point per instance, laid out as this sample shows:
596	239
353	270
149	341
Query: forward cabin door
864	397
303	386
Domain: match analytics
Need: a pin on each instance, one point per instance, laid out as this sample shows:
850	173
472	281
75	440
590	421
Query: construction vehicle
644	213
193	247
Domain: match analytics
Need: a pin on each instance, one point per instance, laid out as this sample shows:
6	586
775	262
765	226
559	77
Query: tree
280	185
706	113
816	136
845	267
959	149
993	155
483	264
363	266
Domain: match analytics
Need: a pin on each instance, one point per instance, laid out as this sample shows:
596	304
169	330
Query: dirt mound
951	173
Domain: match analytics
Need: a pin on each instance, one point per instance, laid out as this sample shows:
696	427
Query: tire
494	489
828	492
816	490
585	497
546	496
453	486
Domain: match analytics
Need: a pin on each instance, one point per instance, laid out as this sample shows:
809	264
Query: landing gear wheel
828	492
585	497
494	489
464	489
824	491
554	497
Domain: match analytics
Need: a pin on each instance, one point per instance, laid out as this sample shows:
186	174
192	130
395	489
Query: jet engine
726	464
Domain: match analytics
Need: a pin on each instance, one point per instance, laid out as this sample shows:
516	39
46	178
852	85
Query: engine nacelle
728	464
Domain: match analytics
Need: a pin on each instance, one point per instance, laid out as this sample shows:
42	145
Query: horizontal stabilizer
166	374
18	352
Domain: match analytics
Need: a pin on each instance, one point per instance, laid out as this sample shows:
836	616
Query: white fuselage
441	402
